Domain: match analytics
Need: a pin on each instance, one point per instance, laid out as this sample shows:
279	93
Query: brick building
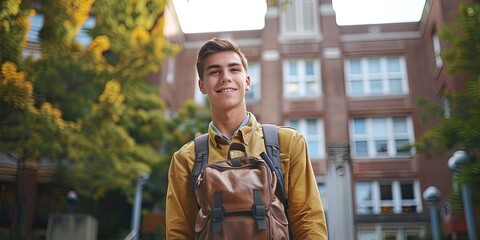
352	92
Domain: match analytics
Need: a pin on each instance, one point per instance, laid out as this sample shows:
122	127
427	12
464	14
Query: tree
88	107
461	130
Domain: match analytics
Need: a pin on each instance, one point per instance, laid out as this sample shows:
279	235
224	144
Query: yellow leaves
99	45
141	35
53	114
112	94
79	11
15	89
112	100
9	7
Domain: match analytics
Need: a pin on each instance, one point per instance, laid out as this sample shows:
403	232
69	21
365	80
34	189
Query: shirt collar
243	133
244	123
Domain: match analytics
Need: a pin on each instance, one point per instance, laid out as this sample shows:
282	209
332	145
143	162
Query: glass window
374	65
255	87
300	18
361	148
386	192
387	197
302	78
364	198
381	137
359	126
312	130
437	50
376	76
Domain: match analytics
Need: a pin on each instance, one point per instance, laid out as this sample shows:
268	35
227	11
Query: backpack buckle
258	209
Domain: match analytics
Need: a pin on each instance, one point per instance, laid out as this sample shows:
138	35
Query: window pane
381	147
376	87
290	18
403	147
312	127
355	66
393	64
309	68
356	87
395	85
294	124
374	65
379	125
293	88
367	236
292	67
313	148
359	126
407	191
311	87
361	148
386	192
364	198
364	191
308	16
400	125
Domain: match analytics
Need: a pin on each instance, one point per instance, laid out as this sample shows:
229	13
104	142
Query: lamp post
432	196
141	181
455	163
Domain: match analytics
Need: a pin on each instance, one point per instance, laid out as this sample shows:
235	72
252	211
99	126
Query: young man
222	68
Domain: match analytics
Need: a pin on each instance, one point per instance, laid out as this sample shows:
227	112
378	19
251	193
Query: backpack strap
270	136
201	159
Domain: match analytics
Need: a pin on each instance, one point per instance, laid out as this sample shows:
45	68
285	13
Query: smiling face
225	81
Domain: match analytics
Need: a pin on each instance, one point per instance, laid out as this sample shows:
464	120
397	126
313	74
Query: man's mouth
224	90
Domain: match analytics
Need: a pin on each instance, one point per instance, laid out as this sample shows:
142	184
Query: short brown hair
215	45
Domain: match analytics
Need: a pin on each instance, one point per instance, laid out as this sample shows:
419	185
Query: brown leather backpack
237	200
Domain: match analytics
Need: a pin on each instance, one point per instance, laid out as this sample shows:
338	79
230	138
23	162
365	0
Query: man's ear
201	86
247	84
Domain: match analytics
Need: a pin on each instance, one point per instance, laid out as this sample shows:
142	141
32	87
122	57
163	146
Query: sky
235	15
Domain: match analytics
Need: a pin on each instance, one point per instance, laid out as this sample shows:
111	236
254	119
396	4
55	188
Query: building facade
352	92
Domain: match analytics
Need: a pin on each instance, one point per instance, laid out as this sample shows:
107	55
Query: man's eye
214	72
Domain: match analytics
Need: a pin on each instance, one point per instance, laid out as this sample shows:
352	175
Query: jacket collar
243	134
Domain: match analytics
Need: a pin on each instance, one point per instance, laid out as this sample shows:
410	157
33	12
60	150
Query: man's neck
228	122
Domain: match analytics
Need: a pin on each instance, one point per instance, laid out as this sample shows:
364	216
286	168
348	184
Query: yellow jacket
305	213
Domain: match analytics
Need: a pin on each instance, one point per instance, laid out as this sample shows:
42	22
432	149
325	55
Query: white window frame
366	79
372	137
319	136
397	203
299	10
304	90
254	71
401	231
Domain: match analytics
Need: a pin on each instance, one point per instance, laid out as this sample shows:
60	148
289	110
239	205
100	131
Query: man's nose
226	77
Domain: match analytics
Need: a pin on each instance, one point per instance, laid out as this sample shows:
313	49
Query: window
323	195
301	78
36	24
446	107
381	137
170	69
376	76
255	88
200	98
437	49
312	129
387	197
300	18
397	231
